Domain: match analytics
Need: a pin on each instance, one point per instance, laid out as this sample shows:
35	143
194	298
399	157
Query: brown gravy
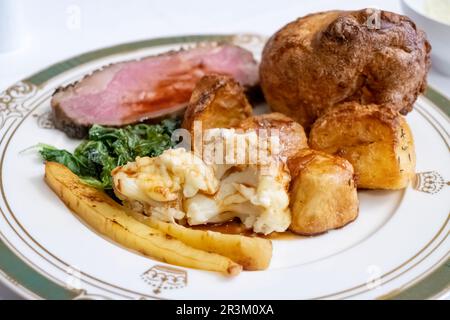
236	227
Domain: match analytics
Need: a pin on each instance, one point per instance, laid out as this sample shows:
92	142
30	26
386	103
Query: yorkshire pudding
326	58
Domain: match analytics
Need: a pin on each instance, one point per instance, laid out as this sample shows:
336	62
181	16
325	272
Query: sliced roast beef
135	91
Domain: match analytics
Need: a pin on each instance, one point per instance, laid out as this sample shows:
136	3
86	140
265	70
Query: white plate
400	239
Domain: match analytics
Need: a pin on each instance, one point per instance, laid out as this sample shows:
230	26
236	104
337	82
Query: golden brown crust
301	160
218	101
375	139
322	193
327	58
291	135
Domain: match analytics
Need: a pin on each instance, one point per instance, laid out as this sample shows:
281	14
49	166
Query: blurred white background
53	30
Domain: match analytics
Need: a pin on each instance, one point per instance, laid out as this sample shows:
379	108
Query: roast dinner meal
175	163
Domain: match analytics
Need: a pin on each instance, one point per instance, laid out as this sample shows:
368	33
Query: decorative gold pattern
45	120
83	295
12	101
429	182
249	39
166	278
252	42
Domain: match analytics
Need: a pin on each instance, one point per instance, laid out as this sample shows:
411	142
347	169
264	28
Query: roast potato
252	253
375	139
291	135
322	192
218	101
109	218
331	57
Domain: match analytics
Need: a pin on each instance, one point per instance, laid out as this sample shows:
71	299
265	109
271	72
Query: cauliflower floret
159	184
259	200
179	185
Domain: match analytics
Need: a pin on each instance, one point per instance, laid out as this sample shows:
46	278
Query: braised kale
106	148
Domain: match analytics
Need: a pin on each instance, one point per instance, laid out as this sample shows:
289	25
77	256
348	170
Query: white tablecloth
53	30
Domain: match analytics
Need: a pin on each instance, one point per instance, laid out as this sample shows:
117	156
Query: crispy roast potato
109	218
252	253
330	57
292	137
374	139
322	193
218	101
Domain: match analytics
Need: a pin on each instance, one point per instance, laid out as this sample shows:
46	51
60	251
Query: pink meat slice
134	91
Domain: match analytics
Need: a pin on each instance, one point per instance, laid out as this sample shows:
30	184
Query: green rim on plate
24	279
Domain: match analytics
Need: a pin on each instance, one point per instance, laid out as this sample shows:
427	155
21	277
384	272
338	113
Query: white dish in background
11	25
437	31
